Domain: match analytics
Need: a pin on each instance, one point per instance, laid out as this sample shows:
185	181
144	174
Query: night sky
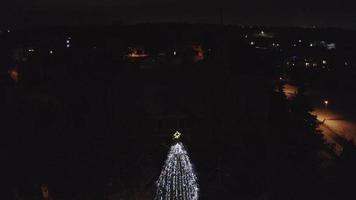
252	12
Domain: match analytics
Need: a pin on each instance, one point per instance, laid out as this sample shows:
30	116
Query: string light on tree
178	180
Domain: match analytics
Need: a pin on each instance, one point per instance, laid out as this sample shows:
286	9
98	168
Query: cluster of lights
68	42
177	180
328	46
308	64
33	50
136	52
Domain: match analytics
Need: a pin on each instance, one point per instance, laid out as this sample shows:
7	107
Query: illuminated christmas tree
177	180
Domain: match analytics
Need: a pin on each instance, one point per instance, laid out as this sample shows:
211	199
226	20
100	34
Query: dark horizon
21	13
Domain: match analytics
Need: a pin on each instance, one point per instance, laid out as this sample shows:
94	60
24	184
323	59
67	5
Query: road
290	90
335	125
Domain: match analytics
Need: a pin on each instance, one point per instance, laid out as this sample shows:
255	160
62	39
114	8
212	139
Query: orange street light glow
134	55
14	75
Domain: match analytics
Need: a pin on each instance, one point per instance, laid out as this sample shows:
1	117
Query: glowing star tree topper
178	180
176	135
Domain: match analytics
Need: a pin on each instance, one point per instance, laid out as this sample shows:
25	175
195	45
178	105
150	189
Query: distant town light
262	32
14	75
300	41
68	41
31	50
68	45
324	62
174	53
326	102
311	45
346	64
331	46
8	30
252	43
246	36
307	64
51	52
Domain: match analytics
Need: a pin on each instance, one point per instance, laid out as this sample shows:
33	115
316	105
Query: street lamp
326	102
